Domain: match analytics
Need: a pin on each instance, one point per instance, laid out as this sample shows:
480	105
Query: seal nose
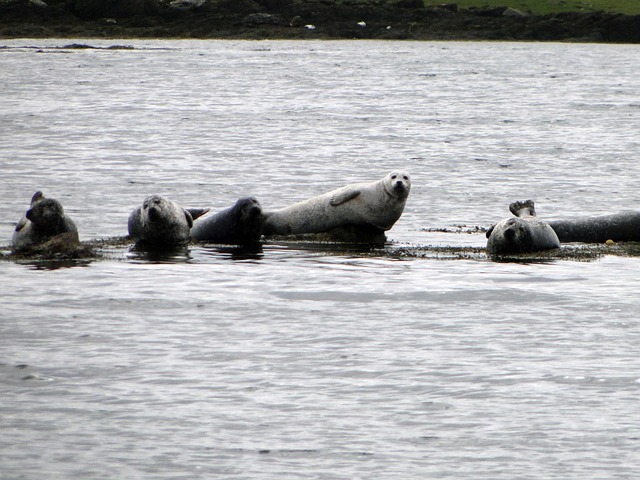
255	210
154	214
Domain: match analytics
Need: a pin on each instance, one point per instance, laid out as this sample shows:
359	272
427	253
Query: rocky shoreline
303	19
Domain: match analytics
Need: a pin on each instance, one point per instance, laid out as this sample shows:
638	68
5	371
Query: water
298	362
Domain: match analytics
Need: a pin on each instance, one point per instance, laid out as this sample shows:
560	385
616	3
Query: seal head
524	233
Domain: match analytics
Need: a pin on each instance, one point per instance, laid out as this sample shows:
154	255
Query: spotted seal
524	233
44	220
159	222
376	206
619	227
240	224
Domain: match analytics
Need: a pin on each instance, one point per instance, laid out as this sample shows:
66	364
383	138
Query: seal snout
400	184
153	213
255	211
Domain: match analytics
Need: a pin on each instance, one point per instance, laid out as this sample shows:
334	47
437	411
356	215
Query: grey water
295	362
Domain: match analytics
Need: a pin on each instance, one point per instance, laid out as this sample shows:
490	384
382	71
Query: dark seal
159	222
44	220
240	224
619	227
524	233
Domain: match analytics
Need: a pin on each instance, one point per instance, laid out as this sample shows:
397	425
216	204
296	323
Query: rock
513	12
408	4
186	5
262	19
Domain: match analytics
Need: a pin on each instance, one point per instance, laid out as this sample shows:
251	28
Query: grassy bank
541	7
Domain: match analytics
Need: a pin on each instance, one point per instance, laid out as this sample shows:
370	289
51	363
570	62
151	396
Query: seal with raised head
374	206
619	227
159	222
44	220
240	224
524	233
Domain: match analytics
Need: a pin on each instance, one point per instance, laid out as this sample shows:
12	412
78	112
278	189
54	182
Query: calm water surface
296	362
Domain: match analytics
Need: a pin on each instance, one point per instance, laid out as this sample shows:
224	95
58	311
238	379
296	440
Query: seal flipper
490	230
343	196
517	208
197	212
37	197
189	218
21	224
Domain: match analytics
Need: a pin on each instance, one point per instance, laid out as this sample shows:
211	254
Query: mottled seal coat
44	220
159	222
376	205
619	227
524	233
240	224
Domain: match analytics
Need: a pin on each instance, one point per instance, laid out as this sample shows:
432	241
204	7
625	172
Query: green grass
630	7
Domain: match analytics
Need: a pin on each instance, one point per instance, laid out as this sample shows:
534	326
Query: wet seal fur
160	223
41	224
619	227
524	233
373	206
240	224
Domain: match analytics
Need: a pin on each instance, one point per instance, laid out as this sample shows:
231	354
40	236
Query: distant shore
295	19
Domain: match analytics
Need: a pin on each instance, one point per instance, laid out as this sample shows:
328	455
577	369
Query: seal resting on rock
373	206
619	227
524	233
240	224
159	222
44	220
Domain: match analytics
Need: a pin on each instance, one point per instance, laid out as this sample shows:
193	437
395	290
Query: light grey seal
524	233
44	220
240	224
159	222
374	206
619	227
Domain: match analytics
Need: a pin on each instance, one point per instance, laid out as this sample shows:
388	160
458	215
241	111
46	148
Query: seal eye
406	177
393	177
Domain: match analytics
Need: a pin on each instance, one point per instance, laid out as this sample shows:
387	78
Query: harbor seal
44	220
372	206
524	233
159	222
240	224
619	227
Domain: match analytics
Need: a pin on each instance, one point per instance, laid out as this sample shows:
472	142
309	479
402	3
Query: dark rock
94	9
262	19
408	4
622	28
451	7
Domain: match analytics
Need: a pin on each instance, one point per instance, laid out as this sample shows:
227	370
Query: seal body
44	220
620	227
240	224
524	233
376	205
159	222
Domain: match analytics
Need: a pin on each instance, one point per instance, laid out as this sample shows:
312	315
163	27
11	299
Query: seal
159	222
373	206
619	227
524	233
240	224
44	220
